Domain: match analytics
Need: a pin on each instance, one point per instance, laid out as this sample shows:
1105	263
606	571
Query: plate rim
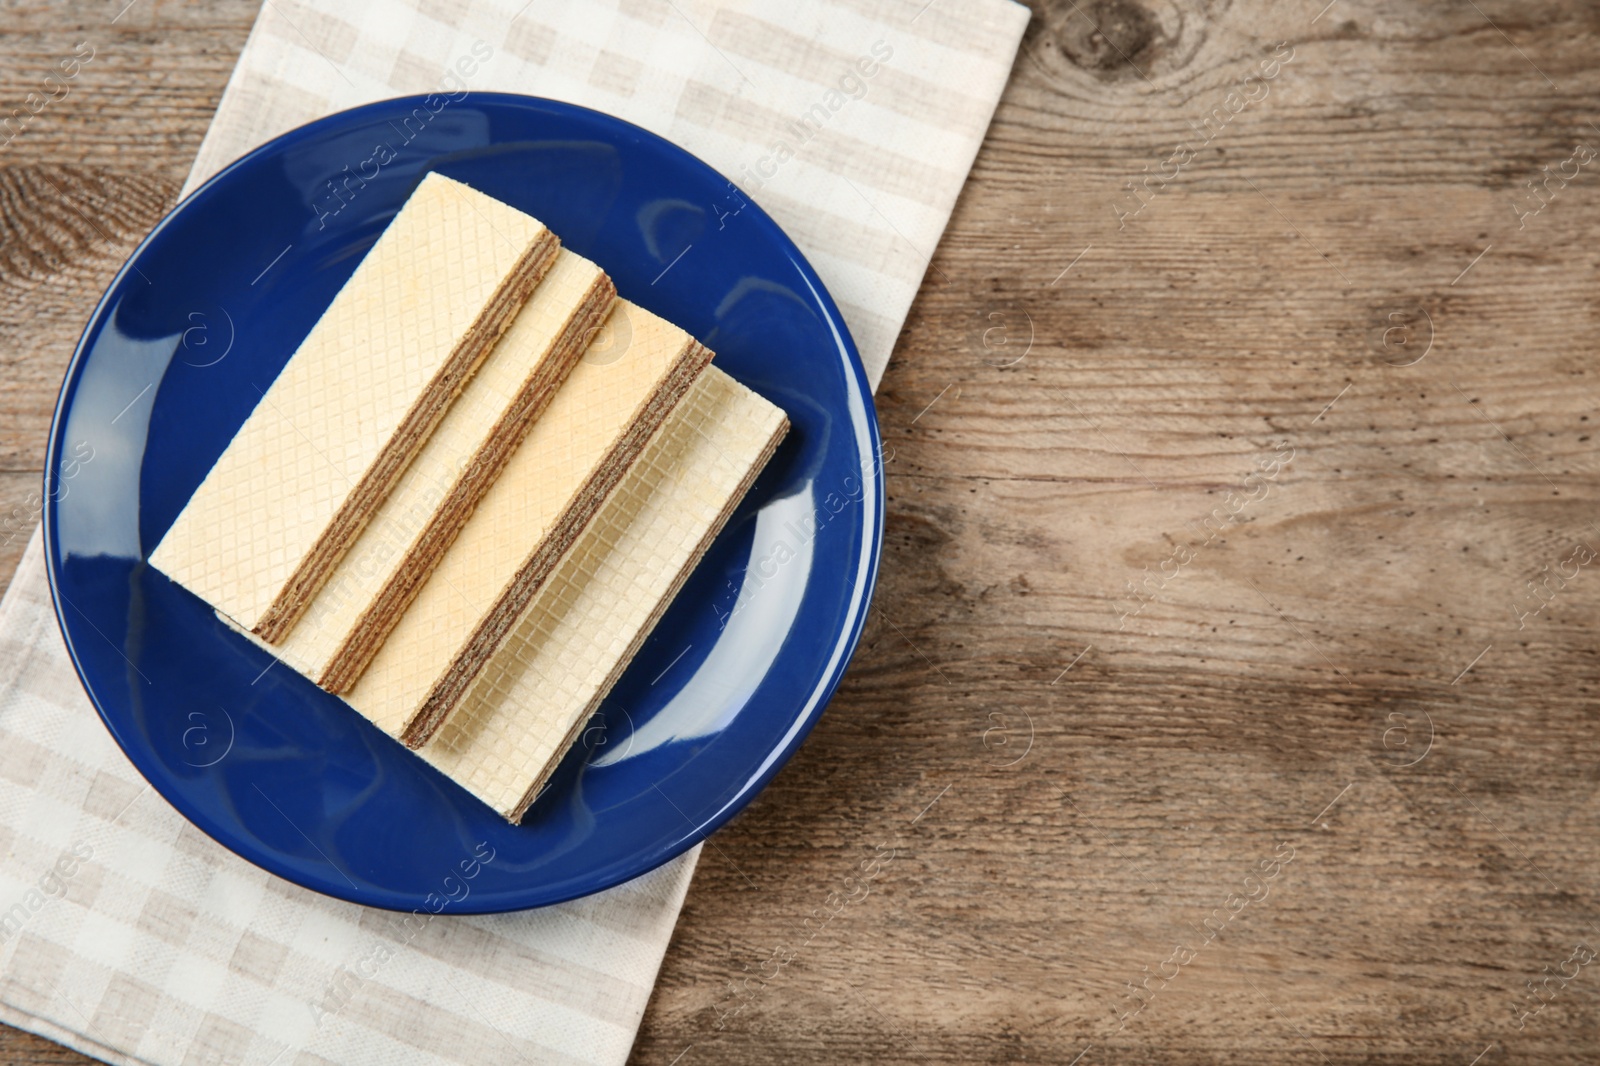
846	643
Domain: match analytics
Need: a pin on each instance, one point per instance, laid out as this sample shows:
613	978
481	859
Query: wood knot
1107	35
1120	40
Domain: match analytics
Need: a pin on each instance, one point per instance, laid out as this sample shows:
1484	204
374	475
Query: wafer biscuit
397	551
336	429
570	462
575	638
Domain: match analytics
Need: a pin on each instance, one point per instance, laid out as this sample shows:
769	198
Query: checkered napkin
126	933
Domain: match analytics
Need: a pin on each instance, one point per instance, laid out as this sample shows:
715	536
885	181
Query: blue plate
207	311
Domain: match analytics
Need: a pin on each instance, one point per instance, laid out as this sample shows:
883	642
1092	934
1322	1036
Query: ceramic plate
205	314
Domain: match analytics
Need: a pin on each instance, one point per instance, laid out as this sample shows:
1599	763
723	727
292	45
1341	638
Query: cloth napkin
126	933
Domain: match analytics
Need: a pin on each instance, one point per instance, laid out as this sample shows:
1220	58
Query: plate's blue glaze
202	318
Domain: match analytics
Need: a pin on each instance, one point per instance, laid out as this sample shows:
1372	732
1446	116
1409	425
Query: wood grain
1040	792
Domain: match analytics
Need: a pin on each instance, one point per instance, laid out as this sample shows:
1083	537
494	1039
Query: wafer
382	571
572	642
571	460
339	425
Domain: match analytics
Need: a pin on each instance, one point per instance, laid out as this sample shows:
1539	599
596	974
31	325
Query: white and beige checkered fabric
130	936
852	122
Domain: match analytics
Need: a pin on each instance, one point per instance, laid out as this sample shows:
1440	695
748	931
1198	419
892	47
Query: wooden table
1207	712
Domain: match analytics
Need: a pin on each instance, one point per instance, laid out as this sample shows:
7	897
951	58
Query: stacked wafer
472	491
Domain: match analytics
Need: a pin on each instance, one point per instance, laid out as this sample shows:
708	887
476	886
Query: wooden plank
20	507
1031	483
1276	687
